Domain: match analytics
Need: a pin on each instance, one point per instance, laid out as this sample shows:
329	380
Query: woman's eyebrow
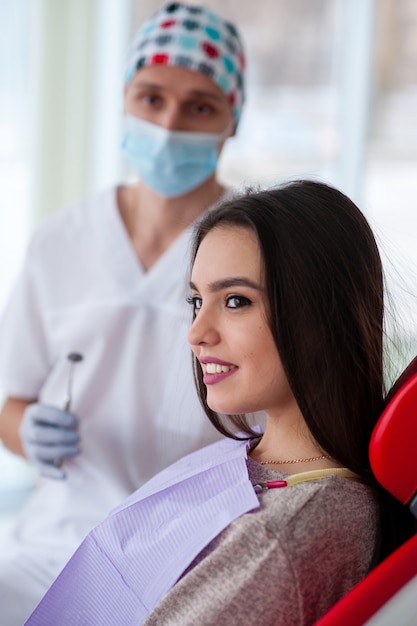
233	281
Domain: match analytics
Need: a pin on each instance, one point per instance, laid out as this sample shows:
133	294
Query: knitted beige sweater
283	565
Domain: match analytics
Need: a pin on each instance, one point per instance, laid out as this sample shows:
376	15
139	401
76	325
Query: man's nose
170	118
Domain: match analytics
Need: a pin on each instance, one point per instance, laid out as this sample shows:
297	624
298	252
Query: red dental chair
393	456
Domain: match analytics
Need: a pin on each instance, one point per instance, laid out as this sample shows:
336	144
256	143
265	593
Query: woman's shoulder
325	503
330	522
329	515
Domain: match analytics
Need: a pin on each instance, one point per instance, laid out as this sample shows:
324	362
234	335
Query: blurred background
331	95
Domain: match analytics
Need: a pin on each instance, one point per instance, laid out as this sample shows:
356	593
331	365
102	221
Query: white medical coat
82	289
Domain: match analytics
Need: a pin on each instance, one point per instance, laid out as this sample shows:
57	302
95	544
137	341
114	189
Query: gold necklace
313	458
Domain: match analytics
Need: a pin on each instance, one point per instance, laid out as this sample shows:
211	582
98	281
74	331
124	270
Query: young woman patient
264	528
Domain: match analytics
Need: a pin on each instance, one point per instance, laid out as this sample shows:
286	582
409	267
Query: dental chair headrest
393	445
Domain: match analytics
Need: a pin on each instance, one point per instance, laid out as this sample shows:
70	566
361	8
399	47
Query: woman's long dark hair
325	291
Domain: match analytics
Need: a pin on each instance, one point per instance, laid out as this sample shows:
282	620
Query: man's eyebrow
201	93
233	281
144	84
195	93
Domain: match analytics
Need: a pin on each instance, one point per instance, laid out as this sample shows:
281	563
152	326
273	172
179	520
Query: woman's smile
215	370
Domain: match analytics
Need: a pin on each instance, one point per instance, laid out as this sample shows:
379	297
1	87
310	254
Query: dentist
119	302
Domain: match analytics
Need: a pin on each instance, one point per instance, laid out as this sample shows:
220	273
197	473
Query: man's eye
237	302
151	99
201	109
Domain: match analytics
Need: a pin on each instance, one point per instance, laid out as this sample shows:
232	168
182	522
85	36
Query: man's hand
49	435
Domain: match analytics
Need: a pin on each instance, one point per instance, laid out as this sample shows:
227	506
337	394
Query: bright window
14	132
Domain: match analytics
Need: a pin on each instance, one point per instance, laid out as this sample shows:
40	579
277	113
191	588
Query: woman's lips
215	370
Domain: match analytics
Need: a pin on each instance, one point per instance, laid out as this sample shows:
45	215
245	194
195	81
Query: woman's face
179	99
230	335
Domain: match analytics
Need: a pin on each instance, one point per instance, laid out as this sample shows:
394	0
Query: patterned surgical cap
195	38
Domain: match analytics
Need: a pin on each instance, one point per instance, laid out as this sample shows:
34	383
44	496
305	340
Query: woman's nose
203	330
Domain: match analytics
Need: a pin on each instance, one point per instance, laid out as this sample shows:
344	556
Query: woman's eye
195	301
237	302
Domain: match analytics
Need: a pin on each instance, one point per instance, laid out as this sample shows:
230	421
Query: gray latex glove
49	435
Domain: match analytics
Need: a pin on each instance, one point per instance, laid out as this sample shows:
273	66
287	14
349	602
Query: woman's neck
291	447
153	222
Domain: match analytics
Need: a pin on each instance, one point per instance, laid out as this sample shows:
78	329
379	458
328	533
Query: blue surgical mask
170	162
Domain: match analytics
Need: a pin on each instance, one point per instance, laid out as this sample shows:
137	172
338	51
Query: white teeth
215	368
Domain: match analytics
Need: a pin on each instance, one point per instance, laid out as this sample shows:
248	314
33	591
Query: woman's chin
225	408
